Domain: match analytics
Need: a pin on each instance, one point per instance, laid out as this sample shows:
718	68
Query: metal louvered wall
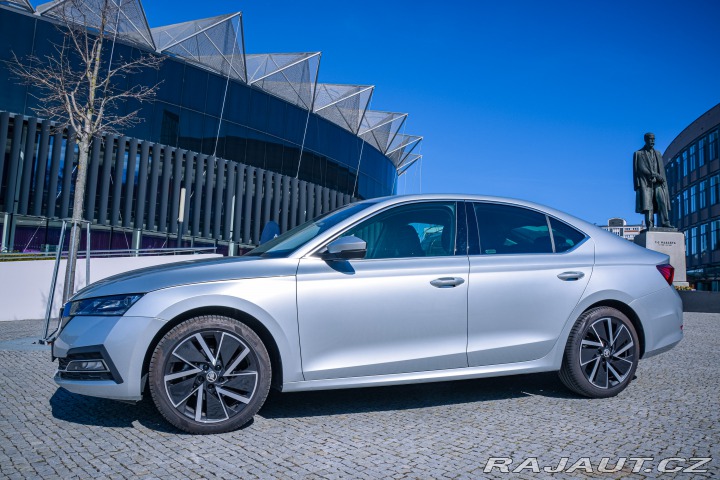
135	185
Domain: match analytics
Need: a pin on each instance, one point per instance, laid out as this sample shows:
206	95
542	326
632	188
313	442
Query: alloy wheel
607	352
211	376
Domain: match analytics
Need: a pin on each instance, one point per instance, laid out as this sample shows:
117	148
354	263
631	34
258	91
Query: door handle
447	282
571	276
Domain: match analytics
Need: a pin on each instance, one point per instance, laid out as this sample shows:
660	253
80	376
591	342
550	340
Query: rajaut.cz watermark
602	465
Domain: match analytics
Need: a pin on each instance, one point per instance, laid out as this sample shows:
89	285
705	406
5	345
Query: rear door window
506	229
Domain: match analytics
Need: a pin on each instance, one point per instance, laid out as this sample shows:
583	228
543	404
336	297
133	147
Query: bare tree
79	87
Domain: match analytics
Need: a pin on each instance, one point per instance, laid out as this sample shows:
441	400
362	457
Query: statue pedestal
670	242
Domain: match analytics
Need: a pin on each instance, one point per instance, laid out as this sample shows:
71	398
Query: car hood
148	279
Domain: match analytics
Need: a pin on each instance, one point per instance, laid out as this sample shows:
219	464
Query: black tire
210	374
601	354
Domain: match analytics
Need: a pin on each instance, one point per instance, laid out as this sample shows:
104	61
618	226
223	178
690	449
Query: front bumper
120	342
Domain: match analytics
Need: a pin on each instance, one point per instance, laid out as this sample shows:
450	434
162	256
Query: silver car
381	292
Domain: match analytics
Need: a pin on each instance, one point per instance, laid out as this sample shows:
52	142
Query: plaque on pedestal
670	242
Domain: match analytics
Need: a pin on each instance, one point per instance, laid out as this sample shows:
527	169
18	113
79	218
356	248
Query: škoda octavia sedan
381	292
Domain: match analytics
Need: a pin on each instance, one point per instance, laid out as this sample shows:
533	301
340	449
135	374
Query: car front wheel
209	374
601	355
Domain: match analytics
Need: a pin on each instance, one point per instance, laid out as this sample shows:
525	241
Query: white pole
181	217
231	244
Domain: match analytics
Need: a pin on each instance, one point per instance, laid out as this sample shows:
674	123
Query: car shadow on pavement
405	397
83	410
101	412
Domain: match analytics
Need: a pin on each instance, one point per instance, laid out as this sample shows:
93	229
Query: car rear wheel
601	355
210	374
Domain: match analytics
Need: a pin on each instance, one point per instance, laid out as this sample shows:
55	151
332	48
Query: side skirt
544	364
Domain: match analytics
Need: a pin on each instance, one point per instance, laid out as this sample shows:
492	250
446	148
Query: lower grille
85	375
87	364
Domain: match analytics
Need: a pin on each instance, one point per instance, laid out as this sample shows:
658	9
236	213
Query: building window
674	170
715	235
693	158
712	146
693	199
703	194
684	164
677	208
703	238
692	239
701	152
686	206
714	189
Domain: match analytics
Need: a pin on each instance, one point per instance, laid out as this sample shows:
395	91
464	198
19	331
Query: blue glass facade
241	153
692	164
257	128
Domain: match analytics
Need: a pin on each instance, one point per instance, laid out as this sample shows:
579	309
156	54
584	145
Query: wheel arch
239	315
628	312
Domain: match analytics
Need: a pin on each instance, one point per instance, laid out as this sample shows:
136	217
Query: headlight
115	305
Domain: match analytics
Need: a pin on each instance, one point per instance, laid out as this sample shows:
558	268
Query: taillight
667	271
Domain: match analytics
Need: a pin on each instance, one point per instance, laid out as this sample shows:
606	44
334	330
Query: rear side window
565	236
506	229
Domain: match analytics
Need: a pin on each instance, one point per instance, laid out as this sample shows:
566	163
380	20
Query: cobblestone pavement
442	430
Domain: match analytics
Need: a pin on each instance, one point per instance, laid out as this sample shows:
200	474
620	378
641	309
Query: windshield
288	242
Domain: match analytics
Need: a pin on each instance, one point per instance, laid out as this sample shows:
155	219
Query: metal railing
60	254
128	252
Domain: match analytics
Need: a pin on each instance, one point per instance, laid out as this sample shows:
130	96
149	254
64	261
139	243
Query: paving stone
442	430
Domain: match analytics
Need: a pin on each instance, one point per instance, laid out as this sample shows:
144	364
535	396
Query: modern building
249	137
692	164
619	227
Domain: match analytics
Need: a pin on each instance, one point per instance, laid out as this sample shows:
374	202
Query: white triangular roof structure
401	141
408	162
379	128
344	105
260	65
216	43
127	17
374	119
402	148
168	35
290	76
24	4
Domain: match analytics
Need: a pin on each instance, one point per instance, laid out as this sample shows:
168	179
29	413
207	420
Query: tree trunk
77	216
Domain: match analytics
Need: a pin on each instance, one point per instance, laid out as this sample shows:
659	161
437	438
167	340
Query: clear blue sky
538	100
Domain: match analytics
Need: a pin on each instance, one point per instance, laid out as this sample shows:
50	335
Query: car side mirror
346	248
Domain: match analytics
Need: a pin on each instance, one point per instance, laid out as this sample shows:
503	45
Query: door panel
373	317
529	273
517	305
403	308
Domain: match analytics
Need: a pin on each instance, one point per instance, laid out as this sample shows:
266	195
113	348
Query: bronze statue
651	191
